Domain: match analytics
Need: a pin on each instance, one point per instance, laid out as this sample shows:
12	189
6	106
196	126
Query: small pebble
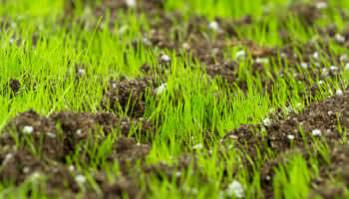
28	130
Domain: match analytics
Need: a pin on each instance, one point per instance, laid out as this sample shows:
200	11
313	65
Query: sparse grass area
64	60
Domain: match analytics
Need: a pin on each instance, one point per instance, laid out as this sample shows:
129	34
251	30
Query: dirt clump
128	96
58	135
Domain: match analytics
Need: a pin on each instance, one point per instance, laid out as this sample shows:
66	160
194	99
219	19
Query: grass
192	104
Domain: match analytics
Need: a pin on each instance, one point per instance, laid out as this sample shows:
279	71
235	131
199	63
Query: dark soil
57	136
325	121
323	117
338	169
128	96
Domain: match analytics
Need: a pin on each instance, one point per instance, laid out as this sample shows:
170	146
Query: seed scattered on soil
291	137
28	130
235	189
240	54
339	38
214	26
80	179
339	92
316	132
198	146
131	3
321	5
159	90
165	59
267	122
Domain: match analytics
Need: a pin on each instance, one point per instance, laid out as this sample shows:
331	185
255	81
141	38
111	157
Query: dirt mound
58	135
128	96
324	120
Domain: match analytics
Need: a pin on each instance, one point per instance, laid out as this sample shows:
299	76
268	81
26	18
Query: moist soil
128	96
325	121
206	41
46	142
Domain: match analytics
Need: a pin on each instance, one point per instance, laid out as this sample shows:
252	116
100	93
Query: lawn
174	99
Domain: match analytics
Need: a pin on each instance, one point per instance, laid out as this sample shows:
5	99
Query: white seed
159	90
268	178
321	82
198	146
35	176
146	41
347	66
321	5
333	68
304	65
235	189
12	40
7	158
240	54
165	58
344	58
81	71
339	92
290	137
215	51
324	72
26	170
316	132
178	174
214	26
79	132
122	30
113	85
267	122
28	130
339	38
80	179
186	46
51	135
316	55
131	3
262	60
71	168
